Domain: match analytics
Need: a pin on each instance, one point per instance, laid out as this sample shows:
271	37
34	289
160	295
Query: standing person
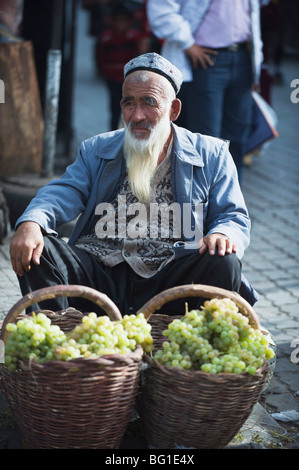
217	46
116	45
140	190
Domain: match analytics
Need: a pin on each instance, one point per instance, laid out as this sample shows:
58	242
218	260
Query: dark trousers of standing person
61	263
219	100
183	95
115	95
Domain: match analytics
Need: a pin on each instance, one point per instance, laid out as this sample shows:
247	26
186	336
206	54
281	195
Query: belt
233	47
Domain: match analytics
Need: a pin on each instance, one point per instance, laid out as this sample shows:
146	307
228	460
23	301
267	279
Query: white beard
142	157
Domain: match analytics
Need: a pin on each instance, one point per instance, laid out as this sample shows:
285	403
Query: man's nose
138	114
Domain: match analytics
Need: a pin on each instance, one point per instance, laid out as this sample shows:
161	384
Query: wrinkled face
148	106
144	103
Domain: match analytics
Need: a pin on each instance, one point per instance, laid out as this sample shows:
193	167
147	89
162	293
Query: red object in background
125	37
114	51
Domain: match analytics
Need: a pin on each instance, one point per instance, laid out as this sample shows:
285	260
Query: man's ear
175	109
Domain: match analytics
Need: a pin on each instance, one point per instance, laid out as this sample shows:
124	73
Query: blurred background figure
120	41
290	11
121	32
279	23
272	27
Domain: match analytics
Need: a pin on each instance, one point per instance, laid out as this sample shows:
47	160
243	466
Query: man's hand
217	241
26	245
200	56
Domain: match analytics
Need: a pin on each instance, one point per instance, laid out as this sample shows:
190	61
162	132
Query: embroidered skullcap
156	63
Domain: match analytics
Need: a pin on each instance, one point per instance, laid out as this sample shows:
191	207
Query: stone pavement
271	263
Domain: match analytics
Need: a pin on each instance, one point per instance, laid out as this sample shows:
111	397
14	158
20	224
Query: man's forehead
147	84
141	76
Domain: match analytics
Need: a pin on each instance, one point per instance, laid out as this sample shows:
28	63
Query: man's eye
126	102
150	102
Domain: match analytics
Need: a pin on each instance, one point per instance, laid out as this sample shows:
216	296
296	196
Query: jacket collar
111	145
185	146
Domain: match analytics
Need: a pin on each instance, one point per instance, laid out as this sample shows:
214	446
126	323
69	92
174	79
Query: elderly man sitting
159	206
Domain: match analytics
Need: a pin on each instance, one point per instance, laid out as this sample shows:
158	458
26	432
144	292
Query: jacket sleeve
63	199
166	22
227	211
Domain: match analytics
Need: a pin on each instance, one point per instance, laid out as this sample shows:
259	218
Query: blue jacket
203	172
177	21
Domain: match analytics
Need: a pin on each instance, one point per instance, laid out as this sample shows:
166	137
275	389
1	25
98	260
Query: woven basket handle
199	290
100	299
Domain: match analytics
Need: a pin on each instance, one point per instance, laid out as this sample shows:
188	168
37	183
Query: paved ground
271	263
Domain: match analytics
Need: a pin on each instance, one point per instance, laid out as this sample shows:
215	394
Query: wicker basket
82	403
195	409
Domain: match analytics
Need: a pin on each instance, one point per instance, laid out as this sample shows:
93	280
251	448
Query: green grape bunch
32	337
37	338
103	336
215	339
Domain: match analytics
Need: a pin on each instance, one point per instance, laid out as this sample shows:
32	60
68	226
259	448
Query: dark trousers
65	264
115	95
218	101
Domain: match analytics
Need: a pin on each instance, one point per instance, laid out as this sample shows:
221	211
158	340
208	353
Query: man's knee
229	263
224	271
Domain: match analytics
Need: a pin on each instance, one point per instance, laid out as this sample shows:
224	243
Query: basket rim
199	290
61	290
